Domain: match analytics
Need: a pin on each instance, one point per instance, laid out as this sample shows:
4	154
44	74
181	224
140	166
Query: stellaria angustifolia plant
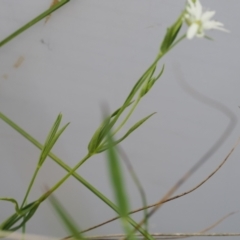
103	138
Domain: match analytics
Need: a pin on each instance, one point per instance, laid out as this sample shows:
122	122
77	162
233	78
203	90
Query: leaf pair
23	214
101	132
150	82
133	128
26	212
171	35
52	137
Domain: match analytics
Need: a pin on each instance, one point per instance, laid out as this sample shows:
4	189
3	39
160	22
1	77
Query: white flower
199	21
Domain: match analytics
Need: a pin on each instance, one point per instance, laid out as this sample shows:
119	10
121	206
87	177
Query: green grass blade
74	174
48	142
66	219
116	178
133	128
100	133
12	200
32	22
51	139
137	182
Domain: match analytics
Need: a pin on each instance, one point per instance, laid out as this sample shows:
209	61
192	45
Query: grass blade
66	219
32	22
133	128
12	200
116	177
74	174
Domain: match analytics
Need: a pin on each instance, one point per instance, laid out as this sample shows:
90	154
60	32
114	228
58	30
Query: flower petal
198	7
192	30
207	15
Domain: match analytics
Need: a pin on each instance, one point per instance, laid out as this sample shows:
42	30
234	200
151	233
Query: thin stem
123	122
30	186
136	87
76	175
59	183
128	116
144	76
175	43
140	82
33	21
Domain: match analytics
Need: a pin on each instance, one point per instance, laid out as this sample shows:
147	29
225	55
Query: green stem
30	186
175	43
127	117
140	82
59	183
123	122
68	169
33	21
135	89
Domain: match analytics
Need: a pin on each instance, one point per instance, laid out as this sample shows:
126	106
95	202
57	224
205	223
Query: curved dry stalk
218	222
168	235
20	236
171	198
202	233
180	182
207	228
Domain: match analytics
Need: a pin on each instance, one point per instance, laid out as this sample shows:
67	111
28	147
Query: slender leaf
99	134
76	175
32	22
133	128
7	224
48	142
171	34
148	85
116	178
12	200
66	219
53	141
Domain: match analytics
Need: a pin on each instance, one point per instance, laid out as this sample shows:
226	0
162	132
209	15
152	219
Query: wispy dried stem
171	198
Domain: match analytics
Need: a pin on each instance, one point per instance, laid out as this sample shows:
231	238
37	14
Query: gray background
91	52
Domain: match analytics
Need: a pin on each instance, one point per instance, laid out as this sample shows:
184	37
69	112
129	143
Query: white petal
214	25
192	30
207	15
191	11
198	9
190	3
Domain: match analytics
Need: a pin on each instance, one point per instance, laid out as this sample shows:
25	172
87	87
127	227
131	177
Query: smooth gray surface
93	51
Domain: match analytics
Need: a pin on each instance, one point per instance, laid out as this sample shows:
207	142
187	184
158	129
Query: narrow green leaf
116	178
16	217
66	219
12	200
148	85
25	218
99	134
32	22
53	141
96	139
75	174
48	141
137	182
133	128
171	34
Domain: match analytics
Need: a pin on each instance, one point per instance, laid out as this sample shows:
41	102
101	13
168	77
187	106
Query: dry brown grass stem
170	198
